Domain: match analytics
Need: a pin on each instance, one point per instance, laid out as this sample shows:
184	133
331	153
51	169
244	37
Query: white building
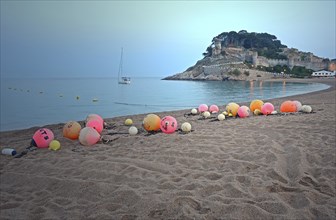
323	73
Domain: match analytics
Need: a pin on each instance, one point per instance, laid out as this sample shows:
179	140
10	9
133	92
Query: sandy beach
260	167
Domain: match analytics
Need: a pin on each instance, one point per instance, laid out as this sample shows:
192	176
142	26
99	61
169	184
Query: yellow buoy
54	145
128	121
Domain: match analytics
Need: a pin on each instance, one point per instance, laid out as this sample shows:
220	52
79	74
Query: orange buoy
256	104
151	122
71	130
288	106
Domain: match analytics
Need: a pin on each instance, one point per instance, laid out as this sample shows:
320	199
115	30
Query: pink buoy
298	105
267	108
243	111
96	124
42	137
203	108
88	136
168	124
94	116
214	109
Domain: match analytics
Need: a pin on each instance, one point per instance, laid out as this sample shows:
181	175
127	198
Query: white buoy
132	130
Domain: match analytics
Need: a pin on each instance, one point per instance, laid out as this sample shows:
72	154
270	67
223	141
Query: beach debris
96	124
221	117
206	114
151	122
256	105
186	127
54	145
213	109
133	130
298	105
267	108
128	122
306	109
225	113
8	151
274	112
168	124
108	138
202	108
71	130
243	111
42	138
194	111
288	106
232	108
77	97
32	147
88	136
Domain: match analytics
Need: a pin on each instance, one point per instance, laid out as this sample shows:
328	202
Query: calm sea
37	102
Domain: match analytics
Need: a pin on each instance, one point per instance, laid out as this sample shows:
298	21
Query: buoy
194	111
151	122
206	114
42	137
132	130
267	108
128	121
232	108
202	108
186	127
88	136
71	130
168	124
54	145
298	105
256	104
214	109
288	106
306	109
243	111
96	124
221	117
257	112
94	116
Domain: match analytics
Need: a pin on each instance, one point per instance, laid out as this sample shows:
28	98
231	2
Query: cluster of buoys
257	107
90	134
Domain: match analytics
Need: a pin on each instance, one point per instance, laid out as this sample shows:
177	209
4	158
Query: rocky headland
252	56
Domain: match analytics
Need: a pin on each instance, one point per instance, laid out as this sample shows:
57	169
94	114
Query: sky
160	38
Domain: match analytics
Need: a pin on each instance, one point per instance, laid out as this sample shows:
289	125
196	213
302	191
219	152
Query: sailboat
122	79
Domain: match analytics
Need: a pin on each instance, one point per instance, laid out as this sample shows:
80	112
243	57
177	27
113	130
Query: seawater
37	102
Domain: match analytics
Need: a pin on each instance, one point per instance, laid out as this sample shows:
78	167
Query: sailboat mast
120	64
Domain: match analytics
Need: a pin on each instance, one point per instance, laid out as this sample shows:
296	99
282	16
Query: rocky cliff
245	56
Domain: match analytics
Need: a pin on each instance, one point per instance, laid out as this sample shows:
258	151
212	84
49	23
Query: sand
261	167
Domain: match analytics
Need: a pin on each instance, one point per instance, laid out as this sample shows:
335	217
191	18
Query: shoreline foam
260	167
